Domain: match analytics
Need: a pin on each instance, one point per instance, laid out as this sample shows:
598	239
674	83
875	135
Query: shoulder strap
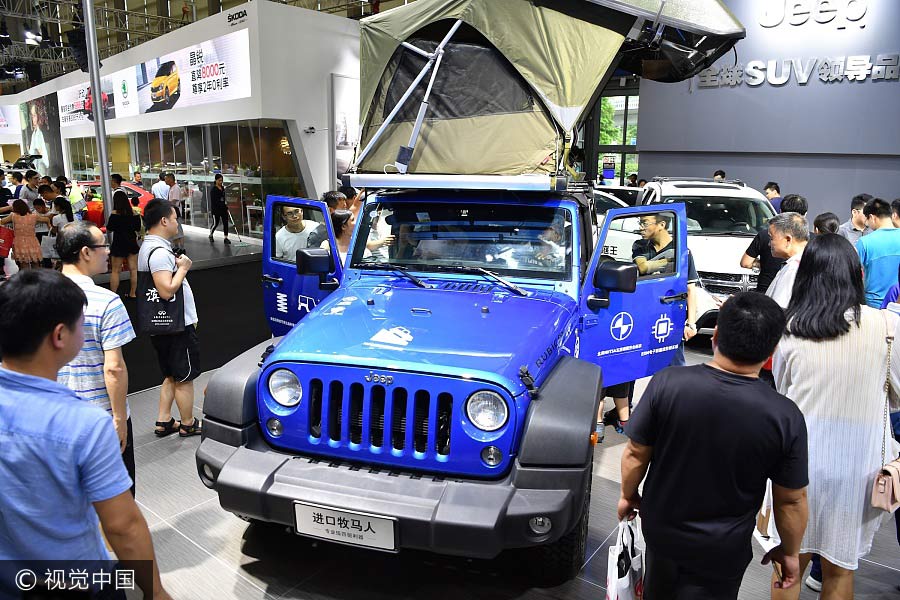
151	255
889	338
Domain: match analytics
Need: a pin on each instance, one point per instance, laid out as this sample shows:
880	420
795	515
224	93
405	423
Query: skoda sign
238	16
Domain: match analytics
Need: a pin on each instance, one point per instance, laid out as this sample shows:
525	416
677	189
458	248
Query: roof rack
699	179
522	183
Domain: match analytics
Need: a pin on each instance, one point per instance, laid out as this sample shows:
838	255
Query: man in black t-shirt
760	250
711	435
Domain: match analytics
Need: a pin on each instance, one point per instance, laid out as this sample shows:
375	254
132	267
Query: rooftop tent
514	77
674	40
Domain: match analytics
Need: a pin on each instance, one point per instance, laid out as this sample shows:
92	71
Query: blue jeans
678	359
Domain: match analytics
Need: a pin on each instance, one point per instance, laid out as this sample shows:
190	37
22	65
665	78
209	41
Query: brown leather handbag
886	489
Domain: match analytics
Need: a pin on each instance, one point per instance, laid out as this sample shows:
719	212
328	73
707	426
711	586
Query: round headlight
487	410
285	388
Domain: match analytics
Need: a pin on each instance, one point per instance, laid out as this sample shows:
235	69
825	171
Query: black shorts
178	354
620	390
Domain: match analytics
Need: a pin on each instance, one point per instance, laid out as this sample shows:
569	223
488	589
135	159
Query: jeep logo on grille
373	377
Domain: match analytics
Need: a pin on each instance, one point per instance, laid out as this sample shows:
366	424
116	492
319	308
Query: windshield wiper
385	266
489	274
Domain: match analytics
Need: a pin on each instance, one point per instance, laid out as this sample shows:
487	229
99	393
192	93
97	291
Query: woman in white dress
832	362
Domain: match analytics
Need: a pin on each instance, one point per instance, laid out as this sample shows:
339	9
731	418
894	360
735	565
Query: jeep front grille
732	277
396	418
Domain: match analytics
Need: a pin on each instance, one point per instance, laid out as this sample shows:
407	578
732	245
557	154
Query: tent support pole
405	155
432	58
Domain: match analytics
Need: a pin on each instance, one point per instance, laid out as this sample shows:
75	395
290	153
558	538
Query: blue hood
459	328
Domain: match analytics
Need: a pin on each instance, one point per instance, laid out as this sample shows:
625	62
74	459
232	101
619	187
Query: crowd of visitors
818	433
65	328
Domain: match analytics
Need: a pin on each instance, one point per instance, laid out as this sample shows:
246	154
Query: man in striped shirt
98	374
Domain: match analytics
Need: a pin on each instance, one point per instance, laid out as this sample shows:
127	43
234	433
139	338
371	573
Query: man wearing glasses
29	192
654	254
655	251
856	226
294	235
98	374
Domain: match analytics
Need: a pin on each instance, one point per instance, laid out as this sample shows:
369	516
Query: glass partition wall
254	158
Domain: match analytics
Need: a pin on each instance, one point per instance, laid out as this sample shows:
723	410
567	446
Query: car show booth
265	94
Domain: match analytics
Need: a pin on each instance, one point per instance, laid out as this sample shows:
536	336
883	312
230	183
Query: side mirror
314	261
612	276
317	261
616	276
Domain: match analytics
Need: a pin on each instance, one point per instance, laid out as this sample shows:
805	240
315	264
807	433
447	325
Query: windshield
510	240
716	215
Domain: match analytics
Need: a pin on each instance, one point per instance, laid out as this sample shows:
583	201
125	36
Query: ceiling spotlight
32	38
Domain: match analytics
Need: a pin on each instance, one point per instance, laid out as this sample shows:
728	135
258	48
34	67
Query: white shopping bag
625	567
9	266
765	533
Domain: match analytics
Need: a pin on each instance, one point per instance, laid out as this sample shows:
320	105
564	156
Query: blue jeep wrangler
437	389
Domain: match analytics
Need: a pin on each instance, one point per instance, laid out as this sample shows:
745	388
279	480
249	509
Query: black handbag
155	315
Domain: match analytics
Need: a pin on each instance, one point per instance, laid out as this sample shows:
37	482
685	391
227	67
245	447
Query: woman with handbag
835	362
26	248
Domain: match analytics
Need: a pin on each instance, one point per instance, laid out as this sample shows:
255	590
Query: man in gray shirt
29	192
178	353
856	226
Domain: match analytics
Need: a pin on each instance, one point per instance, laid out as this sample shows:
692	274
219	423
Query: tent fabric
518	75
563	59
706	17
506	144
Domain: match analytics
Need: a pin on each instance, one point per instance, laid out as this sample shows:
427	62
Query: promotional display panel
40	134
212	71
75	103
9	118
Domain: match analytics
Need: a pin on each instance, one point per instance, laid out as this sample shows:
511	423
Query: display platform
227	289
204	551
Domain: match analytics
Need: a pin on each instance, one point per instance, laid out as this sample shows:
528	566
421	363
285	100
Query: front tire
563	559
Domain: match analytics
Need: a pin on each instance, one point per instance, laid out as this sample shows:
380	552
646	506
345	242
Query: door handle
674	298
272	279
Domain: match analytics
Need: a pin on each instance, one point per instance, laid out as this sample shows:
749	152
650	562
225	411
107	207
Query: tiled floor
207	553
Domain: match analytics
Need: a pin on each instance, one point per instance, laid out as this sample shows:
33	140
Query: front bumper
470	518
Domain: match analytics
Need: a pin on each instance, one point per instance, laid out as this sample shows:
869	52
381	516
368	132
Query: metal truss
137	27
356	9
66	12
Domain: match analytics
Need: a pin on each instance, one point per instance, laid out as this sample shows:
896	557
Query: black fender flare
560	422
231	392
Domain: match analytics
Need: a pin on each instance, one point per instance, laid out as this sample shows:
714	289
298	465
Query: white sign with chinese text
828	70
9	119
346	527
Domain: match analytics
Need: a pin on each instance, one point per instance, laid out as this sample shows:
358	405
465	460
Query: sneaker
813	584
227	242
611	417
211	238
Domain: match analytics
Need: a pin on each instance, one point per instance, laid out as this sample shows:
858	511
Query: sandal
189	430
168	428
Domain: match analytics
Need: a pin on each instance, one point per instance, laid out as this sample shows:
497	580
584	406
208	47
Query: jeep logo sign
233	18
376	378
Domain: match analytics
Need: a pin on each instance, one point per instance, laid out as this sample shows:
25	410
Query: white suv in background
723	218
